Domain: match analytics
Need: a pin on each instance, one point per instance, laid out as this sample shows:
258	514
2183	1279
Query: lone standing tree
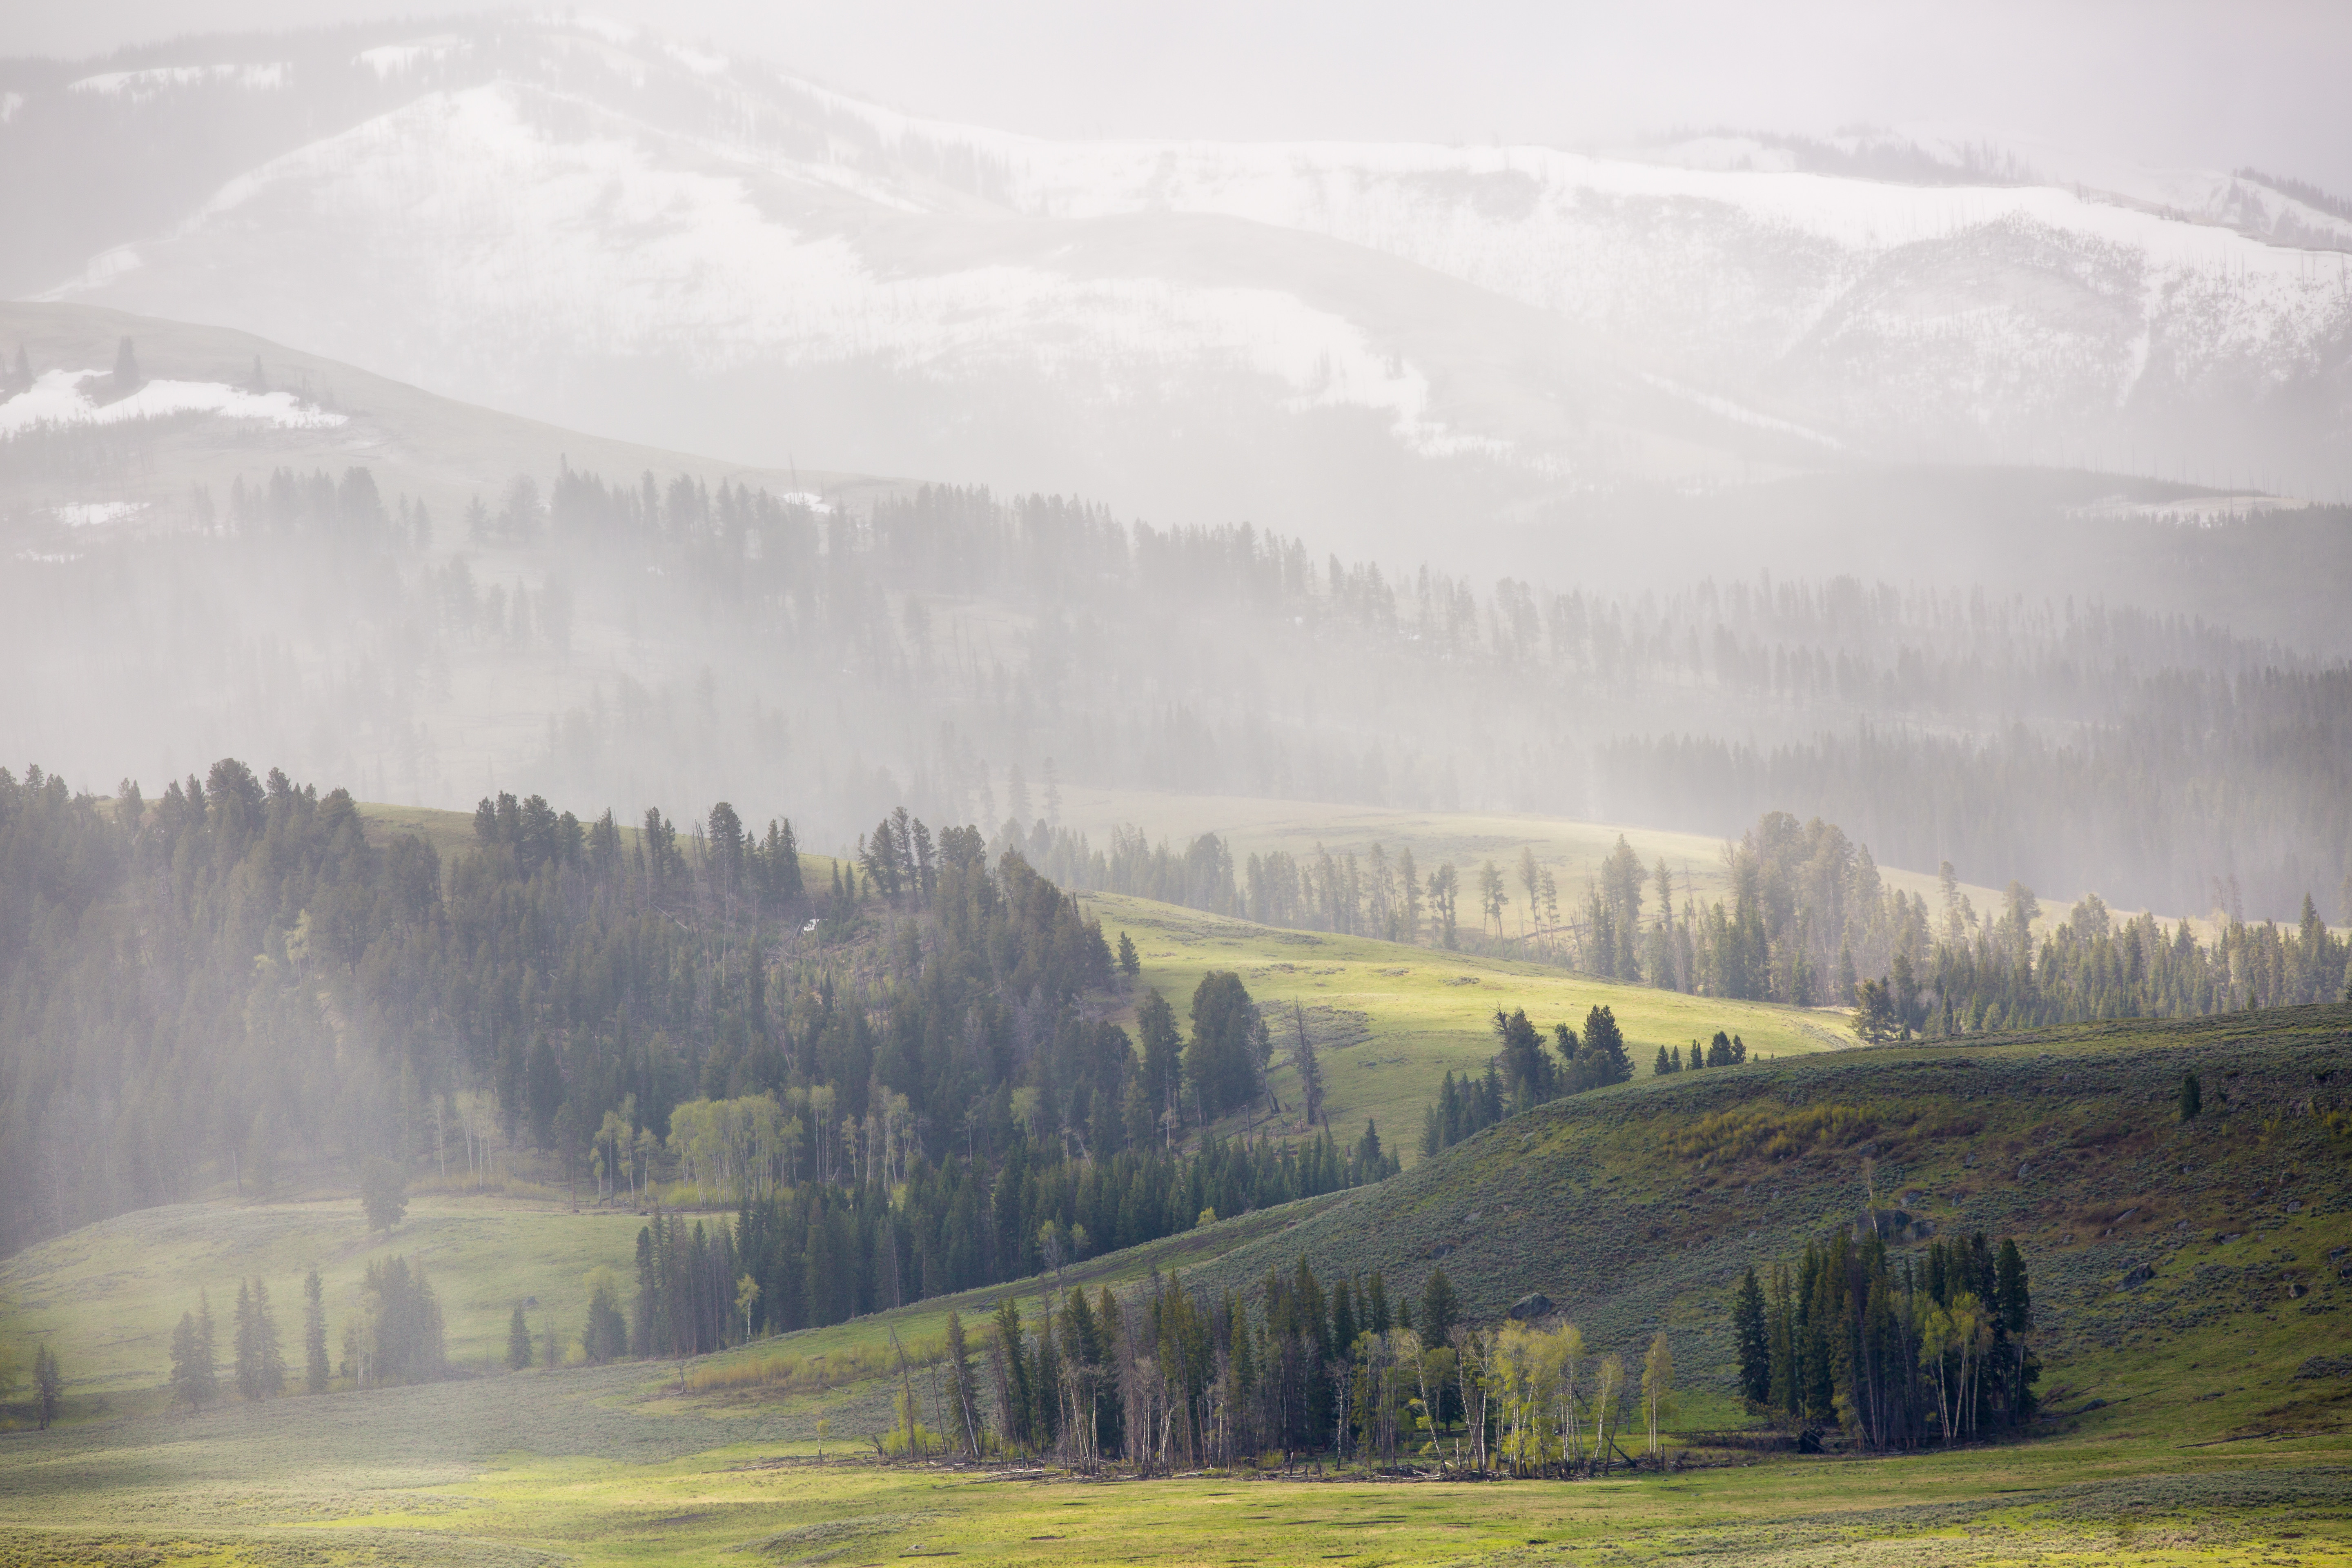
519	1341
384	1193
49	1386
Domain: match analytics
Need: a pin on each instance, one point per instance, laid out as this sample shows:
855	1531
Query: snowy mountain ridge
600	226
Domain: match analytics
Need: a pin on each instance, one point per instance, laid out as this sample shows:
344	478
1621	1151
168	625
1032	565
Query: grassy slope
610	1465
106	1295
2067	1139
1414	1013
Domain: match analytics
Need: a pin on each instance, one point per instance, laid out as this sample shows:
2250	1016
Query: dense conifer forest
920	645
232	982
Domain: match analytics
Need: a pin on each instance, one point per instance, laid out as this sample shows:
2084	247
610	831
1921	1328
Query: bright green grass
611	1466
1425	1011
108	1295
361	1479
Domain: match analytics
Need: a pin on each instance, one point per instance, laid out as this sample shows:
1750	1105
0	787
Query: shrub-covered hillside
1638	1208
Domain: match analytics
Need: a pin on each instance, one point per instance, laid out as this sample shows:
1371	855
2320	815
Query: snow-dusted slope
603	228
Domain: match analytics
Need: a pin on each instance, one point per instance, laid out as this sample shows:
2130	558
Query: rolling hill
2188	1277
2187	1292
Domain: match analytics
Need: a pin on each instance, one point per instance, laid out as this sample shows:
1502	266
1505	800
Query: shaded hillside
1638	1208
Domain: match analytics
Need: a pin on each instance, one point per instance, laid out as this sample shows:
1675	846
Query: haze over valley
733	806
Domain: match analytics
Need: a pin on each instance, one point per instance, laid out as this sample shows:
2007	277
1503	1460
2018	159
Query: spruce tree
127	379
1753	1339
208	1344
1602	1058
247	1345
519	1339
1440	1309
2191	1098
1130	962
316	1373
964	1389
273	1347
384	1194
49	1387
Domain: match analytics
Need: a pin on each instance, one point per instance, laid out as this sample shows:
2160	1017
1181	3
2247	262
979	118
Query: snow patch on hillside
57	398
95	513
1724	409
595	238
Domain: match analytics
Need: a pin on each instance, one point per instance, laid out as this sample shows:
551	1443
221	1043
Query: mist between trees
905	1068
691	638
1809	921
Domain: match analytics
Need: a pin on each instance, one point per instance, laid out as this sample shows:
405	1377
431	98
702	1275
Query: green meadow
2197	1419
1389	1021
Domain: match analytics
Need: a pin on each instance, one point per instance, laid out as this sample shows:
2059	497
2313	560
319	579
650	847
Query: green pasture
539	1469
1389	1021
108	1295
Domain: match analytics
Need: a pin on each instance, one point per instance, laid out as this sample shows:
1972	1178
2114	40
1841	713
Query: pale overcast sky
2157	82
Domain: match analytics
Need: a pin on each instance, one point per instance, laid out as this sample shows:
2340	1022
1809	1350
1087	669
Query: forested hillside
1808	919
2124	721
232	984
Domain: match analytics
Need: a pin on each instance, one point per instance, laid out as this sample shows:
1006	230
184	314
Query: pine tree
1130	964
2011	1297
963	1390
49	1387
2193	1095
270	1351
1601	1058
1438	1307
208	1344
316	1373
127	379
519	1341
1752	1337
246	1340
193	1381
384	1194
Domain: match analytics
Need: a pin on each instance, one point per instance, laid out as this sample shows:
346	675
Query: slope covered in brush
2156	1244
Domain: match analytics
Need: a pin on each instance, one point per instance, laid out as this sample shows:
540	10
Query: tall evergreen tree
49	1386
1751	1336
316	1373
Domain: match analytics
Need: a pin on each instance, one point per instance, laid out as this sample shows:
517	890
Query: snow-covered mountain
608	229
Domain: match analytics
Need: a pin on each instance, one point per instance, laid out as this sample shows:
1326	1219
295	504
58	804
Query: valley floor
581	1466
